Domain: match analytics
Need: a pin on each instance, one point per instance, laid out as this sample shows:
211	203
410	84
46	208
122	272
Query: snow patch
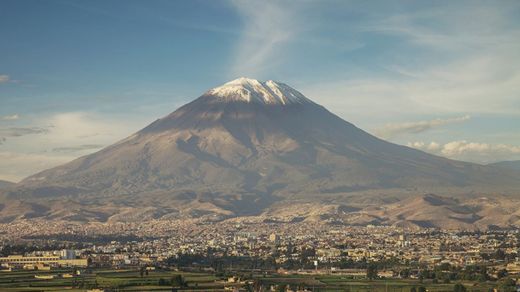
252	90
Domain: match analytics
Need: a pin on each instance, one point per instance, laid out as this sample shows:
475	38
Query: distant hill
513	165
5	184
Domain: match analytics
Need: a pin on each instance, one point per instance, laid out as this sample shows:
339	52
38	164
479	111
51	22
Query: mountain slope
243	146
512	165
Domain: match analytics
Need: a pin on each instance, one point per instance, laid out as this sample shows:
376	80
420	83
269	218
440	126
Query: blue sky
441	76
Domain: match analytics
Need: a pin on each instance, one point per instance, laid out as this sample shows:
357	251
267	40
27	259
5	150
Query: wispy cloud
446	27
464	86
268	26
4	78
395	129
11	117
19	132
22	131
470	151
437	62
78	148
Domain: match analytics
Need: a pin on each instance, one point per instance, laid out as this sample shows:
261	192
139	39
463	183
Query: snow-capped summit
251	148
251	90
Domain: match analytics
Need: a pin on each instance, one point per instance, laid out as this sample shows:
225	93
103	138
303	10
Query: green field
122	280
158	280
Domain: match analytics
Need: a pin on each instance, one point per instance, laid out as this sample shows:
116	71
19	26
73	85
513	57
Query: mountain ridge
243	148
510	164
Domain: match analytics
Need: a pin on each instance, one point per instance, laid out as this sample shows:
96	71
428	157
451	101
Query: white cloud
268	26
4	78
395	129
470	151
77	129
66	136
16	166
11	117
431	147
70	125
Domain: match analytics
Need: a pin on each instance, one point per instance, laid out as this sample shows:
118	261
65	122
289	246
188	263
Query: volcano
240	149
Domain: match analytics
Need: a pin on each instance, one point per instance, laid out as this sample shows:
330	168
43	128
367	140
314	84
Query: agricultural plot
163	280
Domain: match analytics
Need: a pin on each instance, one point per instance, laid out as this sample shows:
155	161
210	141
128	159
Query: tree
178	281
248	287
499	254
445	267
502	274
459	288
163	282
372	271
507	285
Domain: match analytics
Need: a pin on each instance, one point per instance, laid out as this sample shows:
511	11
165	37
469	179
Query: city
241	249
259	145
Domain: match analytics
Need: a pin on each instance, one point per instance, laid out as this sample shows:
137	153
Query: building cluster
42	260
312	246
